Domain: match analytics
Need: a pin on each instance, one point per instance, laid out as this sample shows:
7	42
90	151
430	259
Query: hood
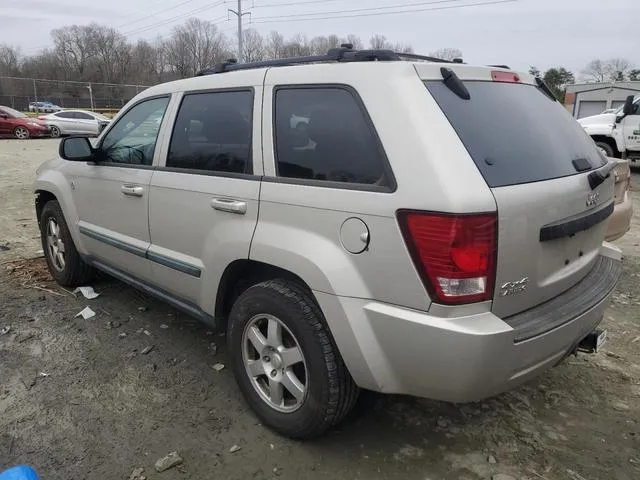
602	119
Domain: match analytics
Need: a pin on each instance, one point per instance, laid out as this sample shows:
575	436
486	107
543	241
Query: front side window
83	116
132	140
323	134
212	132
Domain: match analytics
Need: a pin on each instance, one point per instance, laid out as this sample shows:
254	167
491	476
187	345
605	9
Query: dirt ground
86	399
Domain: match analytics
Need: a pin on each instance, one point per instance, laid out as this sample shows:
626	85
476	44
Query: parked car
75	122
17	124
44	107
452	255
620	222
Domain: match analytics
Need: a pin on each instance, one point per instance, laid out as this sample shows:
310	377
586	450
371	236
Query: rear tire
64	262
55	132
326	391
21	133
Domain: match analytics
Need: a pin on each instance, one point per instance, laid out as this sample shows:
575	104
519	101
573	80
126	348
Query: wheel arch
609	141
242	274
51	185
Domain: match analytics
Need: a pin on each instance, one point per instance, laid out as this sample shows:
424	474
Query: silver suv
353	220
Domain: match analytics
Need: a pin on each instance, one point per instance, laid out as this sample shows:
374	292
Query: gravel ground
87	399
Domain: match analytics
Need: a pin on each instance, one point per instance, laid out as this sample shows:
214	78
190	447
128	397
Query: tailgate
536	159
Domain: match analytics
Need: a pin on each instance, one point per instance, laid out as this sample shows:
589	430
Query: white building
586	99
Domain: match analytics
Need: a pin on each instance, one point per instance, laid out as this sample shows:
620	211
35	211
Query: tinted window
323	134
132	139
83	116
212	132
514	133
64	114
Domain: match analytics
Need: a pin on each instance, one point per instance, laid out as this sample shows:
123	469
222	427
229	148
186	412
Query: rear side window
324	134
514	133
212	132
65	115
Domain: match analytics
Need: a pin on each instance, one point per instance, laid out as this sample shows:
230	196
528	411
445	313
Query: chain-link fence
18	93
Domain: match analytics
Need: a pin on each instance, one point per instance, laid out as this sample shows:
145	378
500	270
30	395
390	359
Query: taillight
455	254
41	117
505	77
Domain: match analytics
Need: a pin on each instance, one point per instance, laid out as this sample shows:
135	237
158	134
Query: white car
75	122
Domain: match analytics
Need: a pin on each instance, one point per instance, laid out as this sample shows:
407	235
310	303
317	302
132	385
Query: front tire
21	133
55	132
285	361
64	262
607	148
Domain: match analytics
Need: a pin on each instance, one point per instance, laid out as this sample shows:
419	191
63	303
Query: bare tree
112	53
447	53
297	46
275	45
355	41
618	69
253	46
9	60
75	49
614	69
379	42
195	45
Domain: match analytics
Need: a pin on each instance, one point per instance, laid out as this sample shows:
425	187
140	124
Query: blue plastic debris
21	472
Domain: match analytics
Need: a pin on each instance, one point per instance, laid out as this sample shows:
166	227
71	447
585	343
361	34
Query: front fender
53	181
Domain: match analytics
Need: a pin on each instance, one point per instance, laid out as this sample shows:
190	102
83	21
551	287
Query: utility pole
35	91
91	96
238	13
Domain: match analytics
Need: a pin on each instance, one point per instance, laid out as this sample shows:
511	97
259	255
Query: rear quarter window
514	133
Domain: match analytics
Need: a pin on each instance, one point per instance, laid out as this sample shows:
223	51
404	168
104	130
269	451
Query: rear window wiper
453	83
600	175
545	89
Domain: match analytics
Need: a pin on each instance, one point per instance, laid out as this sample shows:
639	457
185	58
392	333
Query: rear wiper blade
600	175
545	88
453	83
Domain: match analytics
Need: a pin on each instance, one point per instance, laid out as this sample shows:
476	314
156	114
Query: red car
18	125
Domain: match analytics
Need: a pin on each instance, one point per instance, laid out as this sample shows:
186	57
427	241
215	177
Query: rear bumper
391	349
620	221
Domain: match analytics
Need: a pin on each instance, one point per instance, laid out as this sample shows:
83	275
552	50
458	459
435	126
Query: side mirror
629	107
76	149
4	115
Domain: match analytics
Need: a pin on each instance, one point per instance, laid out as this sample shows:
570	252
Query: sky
519	33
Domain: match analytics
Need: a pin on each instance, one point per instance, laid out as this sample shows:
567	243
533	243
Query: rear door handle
229	205
132	190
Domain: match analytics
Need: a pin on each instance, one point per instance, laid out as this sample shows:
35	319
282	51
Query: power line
331	17
370	9
154	14
173	19
304	2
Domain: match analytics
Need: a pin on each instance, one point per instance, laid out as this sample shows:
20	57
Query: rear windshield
514	132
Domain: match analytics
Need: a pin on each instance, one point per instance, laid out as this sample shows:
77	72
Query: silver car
435	229
75	122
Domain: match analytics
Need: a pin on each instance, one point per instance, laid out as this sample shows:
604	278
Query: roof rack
345	53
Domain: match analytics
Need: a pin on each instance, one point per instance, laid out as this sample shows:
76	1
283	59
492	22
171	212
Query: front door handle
132	190
229	205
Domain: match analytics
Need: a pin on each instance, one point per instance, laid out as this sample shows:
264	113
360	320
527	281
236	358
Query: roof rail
344	53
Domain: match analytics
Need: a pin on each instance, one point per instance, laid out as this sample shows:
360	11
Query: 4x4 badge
592	199
511	288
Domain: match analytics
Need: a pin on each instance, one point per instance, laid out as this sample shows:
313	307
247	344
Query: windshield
13	113
515	133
